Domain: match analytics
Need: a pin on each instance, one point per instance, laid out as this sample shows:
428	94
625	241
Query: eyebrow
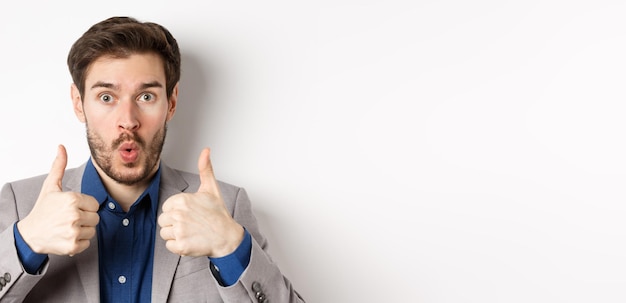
116	87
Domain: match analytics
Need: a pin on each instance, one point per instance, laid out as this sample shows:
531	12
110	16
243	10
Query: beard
103	155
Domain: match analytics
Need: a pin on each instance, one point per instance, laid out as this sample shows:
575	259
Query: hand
198	224
60	223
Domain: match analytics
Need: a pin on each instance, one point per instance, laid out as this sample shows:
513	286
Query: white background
395	151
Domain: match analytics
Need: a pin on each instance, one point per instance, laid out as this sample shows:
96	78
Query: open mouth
129	151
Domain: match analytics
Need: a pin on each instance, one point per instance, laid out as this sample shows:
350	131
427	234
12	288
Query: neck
124	194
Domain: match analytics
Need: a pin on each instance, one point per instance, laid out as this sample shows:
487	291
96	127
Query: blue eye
106	98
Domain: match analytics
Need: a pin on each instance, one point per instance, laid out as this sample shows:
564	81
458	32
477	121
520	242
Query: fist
60	223
199	224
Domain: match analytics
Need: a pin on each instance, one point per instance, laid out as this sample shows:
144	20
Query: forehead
130	70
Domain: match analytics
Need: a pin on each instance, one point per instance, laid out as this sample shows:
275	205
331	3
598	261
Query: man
125	227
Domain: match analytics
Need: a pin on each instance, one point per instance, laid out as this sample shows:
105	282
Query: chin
129	179
129	173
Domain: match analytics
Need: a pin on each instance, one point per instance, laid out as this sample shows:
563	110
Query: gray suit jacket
175	278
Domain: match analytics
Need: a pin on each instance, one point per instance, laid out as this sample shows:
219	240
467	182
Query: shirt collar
92	185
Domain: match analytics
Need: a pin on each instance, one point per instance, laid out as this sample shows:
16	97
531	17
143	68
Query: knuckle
178	216
73	234
73	217
71	199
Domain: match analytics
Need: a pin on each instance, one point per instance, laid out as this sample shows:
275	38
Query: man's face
125	110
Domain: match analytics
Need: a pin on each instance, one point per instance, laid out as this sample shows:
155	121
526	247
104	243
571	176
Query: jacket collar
165	262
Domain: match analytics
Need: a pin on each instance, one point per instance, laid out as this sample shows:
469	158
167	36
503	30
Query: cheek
152	113
96	123
101	126
95	115
153	121
102	133
152	124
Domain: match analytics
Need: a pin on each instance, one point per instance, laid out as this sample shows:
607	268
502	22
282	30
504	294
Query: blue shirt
125	240
126	244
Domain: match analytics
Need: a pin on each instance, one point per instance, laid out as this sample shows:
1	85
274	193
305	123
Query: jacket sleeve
262	280
17	282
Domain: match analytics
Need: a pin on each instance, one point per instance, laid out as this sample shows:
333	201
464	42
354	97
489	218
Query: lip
129	152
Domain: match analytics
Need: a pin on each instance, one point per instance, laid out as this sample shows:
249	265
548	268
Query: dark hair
121	37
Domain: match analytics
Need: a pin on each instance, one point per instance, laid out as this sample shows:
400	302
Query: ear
77	103
172	103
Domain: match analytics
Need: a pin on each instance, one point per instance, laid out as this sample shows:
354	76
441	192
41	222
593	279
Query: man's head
120	37
125	90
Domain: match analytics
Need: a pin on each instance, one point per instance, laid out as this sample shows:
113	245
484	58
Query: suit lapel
87	261
87	265
165	262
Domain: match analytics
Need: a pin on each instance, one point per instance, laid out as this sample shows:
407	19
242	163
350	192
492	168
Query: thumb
205	169
53	181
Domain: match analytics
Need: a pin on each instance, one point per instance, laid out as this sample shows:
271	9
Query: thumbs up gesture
60	223
199	224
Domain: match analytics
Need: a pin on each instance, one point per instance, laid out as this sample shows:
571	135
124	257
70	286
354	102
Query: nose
128	115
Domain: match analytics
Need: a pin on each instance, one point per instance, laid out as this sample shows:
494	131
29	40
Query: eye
106	98
146	97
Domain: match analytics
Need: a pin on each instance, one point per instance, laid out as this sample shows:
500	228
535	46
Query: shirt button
121	279
111	205
125	222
